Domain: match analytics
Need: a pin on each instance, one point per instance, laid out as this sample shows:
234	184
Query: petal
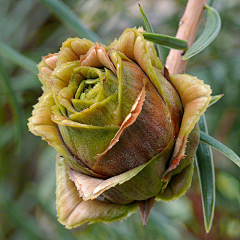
178	184
191	148
195	96
73	211
84	141
46	67
139	183
41	124
146	130
72	49
133	45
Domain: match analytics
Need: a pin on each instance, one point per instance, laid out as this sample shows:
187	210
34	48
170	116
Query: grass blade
205	138
205	166
17	111
166	41
149	28
215	99
17	58
210	32
70	19
21	218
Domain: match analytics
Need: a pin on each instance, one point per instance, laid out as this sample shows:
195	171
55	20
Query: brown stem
187	30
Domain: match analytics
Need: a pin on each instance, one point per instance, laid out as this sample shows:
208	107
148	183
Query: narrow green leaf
205	166
211	2
21	218
149	28
215	99
17	58
17	111
166	41
205	138
210	32
70	19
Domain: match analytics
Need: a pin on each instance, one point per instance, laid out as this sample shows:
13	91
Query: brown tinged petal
73	211
145	208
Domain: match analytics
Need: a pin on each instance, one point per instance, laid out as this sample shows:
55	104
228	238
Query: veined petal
84	141
61	76
195	96
73	211
132	44
139	183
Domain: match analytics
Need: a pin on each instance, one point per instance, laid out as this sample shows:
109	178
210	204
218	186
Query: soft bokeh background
27	171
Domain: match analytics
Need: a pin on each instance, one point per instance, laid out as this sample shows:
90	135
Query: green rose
125	134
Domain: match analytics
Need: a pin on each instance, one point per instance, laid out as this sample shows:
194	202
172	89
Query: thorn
145	208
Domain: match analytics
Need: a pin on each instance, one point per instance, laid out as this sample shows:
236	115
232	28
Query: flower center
88	89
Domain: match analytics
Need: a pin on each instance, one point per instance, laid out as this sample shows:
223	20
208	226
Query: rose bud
125	133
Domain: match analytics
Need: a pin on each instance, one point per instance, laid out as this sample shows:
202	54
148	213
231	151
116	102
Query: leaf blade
205	138
166	41
209	34
149	28
205	166
18	58
69	18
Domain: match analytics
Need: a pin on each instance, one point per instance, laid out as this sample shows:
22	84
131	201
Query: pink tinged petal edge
195	96
73	211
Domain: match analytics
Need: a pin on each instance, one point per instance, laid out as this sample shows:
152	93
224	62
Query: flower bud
125	133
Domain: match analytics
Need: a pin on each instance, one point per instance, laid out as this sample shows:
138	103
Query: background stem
187	30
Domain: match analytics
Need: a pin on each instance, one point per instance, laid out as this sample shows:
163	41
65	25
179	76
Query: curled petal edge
195	96
73	211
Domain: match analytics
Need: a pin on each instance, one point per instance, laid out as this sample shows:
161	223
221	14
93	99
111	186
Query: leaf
17	214
210	32
215	99
70	19
17	58
205	166
16	109
166	41
205	138
149	28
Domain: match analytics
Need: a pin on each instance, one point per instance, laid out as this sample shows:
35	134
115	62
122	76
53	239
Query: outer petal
72	49
41	124
195	96
139	183
135	47
178	180
73	211
46	67
178	184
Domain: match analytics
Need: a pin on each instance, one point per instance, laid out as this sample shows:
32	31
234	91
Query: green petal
99	114
192	144
84	141
72	49
73	211
178	184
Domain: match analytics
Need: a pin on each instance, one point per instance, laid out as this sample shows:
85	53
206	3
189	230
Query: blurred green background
27	164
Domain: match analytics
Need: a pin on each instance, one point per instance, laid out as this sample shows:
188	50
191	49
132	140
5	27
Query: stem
187	30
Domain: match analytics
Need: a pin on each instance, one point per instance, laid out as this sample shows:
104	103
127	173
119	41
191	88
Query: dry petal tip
145	208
